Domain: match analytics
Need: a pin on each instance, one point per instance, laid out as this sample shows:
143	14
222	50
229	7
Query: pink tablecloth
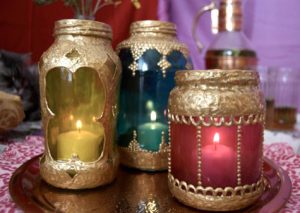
17	153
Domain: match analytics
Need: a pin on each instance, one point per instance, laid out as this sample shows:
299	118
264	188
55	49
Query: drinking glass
284	85
266	85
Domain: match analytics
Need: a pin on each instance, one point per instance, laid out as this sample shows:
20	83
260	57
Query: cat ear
26	58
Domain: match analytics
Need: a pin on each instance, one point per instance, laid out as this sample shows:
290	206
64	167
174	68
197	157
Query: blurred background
271	26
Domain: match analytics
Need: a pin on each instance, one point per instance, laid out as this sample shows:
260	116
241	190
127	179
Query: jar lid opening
82	27
217	77
153	26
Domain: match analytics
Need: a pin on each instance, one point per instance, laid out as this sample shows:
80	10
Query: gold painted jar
150	57
216	122
79	82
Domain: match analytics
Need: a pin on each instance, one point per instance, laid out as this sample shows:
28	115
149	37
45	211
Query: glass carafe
230	49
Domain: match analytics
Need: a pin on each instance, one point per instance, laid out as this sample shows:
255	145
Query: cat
20	78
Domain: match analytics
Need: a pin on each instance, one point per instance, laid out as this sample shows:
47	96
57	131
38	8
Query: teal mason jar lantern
150	58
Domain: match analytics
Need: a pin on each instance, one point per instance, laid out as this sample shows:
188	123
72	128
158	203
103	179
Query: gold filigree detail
169	150
137	157
157	35
216	199
134	67
164	65
216	92
239	169
86	175
216	120
134	146
153	161
163	146
199	159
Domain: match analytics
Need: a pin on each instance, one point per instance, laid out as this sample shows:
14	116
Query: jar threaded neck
82	27
217	77
153	27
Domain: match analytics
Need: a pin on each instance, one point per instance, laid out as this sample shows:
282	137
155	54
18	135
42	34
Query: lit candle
79	143
216	140
149	134
218	164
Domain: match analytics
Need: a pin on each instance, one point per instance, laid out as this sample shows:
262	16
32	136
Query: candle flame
144	67
153	116
216	138
78	125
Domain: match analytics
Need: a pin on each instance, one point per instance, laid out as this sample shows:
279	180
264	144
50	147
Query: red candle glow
218	154
218	160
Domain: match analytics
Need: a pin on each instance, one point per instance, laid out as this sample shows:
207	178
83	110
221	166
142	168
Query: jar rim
217	77
82	27
153	26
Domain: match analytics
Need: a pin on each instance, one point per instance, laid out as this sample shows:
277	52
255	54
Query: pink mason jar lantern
216	123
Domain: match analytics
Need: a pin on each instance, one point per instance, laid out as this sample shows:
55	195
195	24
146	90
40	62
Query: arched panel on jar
110	75
76	102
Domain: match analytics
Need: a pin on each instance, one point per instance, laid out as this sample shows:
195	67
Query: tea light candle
149	134
217	161
81	143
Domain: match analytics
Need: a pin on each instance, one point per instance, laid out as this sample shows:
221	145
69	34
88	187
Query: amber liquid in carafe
230	59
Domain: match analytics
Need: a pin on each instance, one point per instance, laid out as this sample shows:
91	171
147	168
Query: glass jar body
77	75
216	137
150	58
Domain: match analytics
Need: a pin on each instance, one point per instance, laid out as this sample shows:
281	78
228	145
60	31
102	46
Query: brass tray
133	191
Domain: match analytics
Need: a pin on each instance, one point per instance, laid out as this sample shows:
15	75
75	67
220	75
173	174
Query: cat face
18	78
